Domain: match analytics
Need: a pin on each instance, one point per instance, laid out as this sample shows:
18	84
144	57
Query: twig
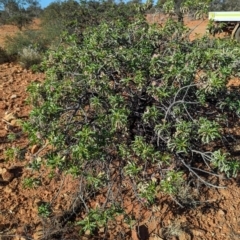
205	182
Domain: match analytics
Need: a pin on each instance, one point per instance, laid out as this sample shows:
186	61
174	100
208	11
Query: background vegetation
72	17
19	12
58	19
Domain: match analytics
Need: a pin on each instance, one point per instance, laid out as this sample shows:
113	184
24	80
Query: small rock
134	235
7	176
13	96
3	105
3	133
8	117
221	212
7	189
36	204
184	236
87	233
15	123
13	207
112	226
101	230
37	201
13	184
2	170
197	232
58	206
14	71
22	211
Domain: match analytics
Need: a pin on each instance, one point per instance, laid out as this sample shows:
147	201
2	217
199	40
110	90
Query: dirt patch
198	28
20	200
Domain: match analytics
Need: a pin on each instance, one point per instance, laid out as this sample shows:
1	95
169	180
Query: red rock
3	105
7	176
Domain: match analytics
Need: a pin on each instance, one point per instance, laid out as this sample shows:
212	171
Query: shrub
29	57
134	103
28	47
16	43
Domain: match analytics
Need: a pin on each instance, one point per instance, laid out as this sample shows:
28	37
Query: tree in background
73	17
19	12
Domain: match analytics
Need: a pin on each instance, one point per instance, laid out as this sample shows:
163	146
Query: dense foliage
136	104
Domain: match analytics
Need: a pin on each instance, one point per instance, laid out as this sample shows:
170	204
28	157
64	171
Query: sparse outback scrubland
28	46
130	106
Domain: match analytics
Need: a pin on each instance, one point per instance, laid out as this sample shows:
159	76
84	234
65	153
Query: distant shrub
27	47
15	44
29	57
19	12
